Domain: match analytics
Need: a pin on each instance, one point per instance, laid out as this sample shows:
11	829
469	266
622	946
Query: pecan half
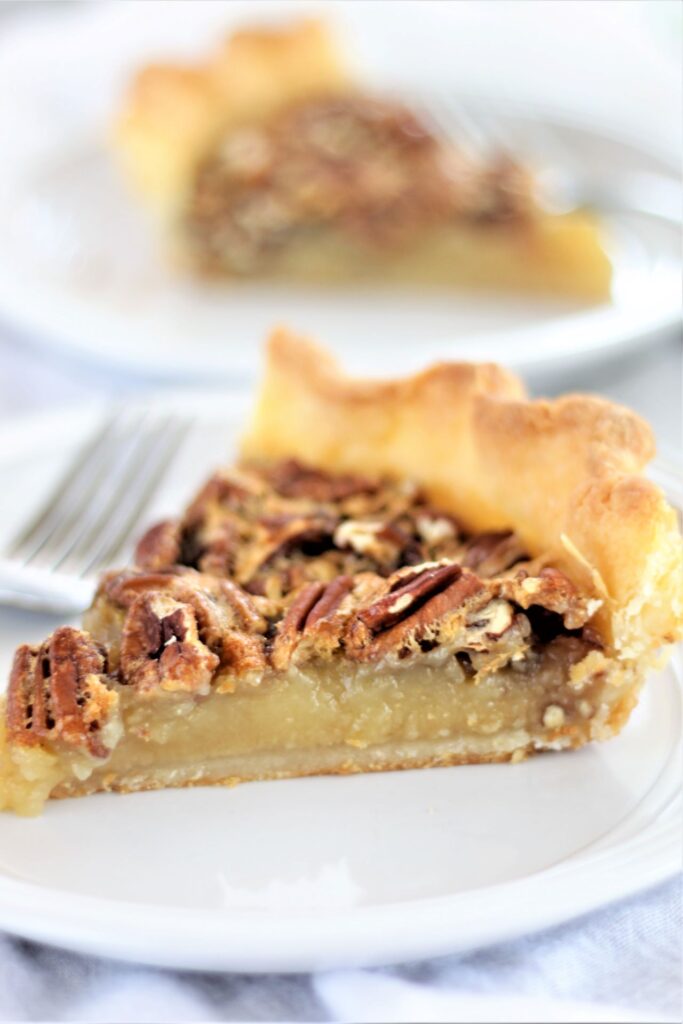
313	609
411	611
228	619
57	692
242	653
160	647
329	601
407	593
159	547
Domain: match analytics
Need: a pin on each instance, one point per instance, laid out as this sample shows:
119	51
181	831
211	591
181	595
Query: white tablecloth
622	964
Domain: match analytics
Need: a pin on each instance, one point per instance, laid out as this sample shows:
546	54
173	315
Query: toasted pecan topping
242	653
303	542
57	692
489	623
293	624
243	606
122	588
434	528
301	606
273	529
319	566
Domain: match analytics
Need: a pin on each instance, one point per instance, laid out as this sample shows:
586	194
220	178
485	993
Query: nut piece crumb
553	716
585	708
518	756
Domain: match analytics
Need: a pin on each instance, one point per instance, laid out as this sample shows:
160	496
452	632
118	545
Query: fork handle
40	590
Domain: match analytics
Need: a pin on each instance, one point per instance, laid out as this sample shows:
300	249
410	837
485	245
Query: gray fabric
624	960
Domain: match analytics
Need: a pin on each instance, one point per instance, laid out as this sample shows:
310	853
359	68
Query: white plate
322	872
80	266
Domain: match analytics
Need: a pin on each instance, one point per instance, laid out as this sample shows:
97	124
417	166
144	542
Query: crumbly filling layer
371	171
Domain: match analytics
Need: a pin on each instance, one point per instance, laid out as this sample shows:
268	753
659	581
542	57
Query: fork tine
455	120
131	510
85	507
87	466
473	126
125	478
499	135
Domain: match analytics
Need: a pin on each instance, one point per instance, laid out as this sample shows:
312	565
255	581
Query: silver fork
560	177
87	520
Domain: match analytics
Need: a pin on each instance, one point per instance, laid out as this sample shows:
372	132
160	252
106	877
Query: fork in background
562	182
87	520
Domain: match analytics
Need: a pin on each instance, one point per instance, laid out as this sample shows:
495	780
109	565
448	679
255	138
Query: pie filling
296	622
367	173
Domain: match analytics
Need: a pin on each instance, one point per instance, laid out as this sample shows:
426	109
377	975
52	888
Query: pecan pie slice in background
433	571
268	161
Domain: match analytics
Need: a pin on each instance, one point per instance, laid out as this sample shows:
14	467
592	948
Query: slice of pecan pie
434	571
268	161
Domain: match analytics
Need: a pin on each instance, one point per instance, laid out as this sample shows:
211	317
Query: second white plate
80	267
